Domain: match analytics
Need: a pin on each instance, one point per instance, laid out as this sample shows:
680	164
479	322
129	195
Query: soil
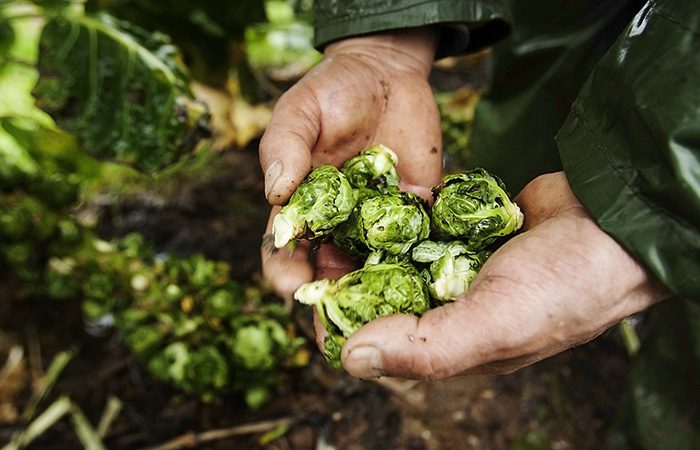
565	402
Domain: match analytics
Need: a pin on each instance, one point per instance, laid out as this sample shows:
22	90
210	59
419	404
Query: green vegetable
323	200
404	271
474	207
346	235
373	291
373	168
393	222
451	267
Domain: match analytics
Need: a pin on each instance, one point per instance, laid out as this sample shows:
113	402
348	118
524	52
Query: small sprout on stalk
323	200
452	267
393	222
474	207
373	291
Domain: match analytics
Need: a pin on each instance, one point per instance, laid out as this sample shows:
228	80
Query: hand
558	284
368	90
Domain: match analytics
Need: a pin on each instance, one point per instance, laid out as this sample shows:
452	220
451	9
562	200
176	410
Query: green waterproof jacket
608	91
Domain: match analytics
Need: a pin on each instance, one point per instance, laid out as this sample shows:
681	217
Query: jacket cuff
465	26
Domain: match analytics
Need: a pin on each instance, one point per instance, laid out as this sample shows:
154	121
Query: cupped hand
559	283
367	90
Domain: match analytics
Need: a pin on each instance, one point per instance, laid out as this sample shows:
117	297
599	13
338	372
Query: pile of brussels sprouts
415	257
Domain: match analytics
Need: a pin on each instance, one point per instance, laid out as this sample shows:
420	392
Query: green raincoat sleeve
631	144
486	21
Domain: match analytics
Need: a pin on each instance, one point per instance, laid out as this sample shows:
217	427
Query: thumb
403	346
463	336
285	148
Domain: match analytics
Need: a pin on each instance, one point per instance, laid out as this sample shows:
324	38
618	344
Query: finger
426	193
285	148
465	336
332	263
287	268
544	197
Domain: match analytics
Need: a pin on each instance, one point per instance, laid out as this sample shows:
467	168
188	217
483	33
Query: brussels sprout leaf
122	91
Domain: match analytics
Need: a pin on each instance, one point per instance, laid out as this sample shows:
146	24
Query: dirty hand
559	283
367	90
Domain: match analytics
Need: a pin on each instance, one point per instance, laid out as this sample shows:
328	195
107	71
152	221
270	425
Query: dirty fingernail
364	362
272	173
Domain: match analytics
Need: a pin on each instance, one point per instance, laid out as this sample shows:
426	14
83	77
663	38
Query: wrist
409	48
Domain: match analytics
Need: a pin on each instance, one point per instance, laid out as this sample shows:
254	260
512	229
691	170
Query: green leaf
7	37
203	30
121	91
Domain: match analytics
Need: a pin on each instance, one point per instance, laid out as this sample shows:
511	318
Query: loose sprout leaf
474	207
323	200
358	297
122	91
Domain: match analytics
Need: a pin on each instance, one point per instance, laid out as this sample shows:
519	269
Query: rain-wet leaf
122	91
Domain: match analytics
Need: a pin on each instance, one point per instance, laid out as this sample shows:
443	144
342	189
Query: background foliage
110	111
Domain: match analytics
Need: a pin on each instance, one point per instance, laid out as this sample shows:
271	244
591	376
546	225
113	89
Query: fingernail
272	173
364	362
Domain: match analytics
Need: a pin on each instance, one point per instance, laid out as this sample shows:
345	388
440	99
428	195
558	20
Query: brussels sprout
393	222
224	303
253	347
346	304
206	371
257	396
474	207
144	338
452	267
373	168
14	223
169	364
323	200
346	235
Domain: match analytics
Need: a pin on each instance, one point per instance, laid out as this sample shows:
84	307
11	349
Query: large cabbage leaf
121	91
